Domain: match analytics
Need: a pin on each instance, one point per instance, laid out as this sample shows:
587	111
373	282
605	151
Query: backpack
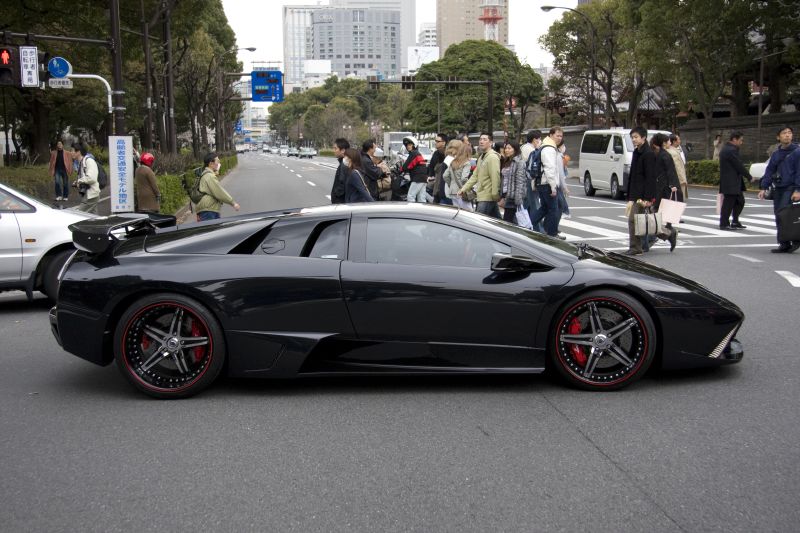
533	167
102	177
191	184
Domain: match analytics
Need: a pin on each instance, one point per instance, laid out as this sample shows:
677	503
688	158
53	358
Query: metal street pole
147	138
590	86
221	132
116	56
5	129
172	134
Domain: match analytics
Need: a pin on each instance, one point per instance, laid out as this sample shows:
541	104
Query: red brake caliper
576	350
198	350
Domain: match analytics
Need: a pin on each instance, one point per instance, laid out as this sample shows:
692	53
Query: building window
358	15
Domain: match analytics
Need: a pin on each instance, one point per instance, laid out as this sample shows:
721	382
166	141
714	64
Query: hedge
706	172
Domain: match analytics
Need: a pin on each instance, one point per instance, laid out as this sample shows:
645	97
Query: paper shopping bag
671	210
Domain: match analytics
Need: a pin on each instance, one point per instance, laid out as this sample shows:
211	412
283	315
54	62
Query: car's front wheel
588	190
169	346
603	340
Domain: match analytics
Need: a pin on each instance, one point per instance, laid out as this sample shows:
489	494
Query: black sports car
383	288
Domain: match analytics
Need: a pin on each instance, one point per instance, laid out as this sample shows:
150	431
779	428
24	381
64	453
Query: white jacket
551	163
88	176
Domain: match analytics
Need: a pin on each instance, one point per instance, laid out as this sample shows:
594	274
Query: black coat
642	181
337	191
355	190
371	173
666	175
731	170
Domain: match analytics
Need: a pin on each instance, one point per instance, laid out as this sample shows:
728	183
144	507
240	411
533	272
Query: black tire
150	346
50	273
615	341
588	190
616	193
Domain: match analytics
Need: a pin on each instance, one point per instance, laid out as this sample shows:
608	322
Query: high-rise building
297	41
408	20
459	20
427	34
358	42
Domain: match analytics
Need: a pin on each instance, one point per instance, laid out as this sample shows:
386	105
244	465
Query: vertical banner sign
29	66
120	163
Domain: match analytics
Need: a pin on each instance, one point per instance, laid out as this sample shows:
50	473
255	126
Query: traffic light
374	83
452	86
407	82
9	66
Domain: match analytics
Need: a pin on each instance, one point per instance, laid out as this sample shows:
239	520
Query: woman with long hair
458	172
512	189
355	187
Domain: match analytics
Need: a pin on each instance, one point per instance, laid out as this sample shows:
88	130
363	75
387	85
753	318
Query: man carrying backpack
87	183
530	154
546	179
213	194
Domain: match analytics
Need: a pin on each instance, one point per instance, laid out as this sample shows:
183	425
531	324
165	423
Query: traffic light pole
7	157
410	83
116	57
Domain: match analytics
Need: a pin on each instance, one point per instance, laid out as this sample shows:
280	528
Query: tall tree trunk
39	132
159	118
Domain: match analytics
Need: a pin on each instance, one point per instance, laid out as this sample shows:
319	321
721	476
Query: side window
12	203
286	237
618	145
416	242
595	143
331	242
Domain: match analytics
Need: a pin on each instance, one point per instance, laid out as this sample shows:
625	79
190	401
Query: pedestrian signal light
9	67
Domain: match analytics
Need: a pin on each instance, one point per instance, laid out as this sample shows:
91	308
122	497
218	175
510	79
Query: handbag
523	219
384	183
789	223
647	223
671	210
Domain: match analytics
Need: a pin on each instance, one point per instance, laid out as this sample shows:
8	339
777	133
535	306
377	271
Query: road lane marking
746	258
610	233
763	221
792	278
311	183
328	196
298	175
750	229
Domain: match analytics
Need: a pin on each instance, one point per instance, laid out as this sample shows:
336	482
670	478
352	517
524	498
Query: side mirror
516	263
618	149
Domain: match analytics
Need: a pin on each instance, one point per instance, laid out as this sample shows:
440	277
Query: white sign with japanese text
120	173
29	66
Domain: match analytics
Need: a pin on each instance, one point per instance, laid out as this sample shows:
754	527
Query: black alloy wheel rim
167	347
601	341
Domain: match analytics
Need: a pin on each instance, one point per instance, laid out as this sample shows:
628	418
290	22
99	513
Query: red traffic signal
9	66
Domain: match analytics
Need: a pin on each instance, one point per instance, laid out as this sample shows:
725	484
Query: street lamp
220	133
594	57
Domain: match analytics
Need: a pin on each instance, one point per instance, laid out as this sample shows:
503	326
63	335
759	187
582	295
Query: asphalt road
717	450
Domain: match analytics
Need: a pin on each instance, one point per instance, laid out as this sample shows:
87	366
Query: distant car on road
284	150
293	152
35	242
307	152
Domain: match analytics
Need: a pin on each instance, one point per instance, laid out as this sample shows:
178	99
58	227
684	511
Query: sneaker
632	252
561	236
737	225
58	198
567	216
727	228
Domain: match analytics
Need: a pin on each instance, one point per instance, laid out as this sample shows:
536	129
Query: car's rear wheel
587	185
603	340
169	346
616	194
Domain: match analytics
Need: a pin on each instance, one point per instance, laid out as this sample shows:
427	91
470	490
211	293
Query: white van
605	160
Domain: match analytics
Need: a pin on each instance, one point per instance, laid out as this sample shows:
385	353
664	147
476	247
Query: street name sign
60	83
267	85
58	67
29	66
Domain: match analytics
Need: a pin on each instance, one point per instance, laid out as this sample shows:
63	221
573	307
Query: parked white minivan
605	160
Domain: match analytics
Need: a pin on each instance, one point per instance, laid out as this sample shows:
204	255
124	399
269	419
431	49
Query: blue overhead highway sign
267	85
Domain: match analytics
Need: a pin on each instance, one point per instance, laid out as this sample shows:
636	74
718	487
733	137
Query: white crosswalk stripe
763	221
610	233
751	229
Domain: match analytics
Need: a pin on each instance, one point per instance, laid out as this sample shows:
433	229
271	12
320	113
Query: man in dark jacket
731	174
342	171
641	185
372	172
436	170
783	170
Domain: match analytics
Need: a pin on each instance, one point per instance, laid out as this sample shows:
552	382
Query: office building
459	20
427	34
358	42
408	20
297	41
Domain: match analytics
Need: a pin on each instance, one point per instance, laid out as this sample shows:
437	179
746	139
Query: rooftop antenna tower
491	15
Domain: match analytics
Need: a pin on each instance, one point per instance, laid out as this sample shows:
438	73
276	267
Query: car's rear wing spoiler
96	235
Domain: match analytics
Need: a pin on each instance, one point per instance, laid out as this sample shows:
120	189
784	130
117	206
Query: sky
259	24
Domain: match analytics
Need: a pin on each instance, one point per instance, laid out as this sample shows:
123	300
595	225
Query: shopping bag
647	223
789	223
628	209
523	219
720	197
671	210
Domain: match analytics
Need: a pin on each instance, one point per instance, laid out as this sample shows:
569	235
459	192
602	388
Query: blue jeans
62	184
417	193
781	198
548	210
207	215
532	205
489	209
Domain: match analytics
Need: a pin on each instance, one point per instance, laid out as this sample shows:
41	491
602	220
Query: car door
424	291
10	238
